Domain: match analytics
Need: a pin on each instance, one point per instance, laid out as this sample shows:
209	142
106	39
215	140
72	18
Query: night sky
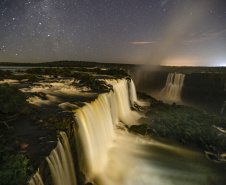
167	32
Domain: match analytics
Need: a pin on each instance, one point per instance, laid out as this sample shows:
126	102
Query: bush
14	169
34	71
12	100
187	125
139	129
33	79
4	74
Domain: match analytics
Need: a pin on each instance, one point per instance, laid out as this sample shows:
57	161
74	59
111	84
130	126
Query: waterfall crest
61	163
172	90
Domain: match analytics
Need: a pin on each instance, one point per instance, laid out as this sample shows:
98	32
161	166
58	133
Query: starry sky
166	32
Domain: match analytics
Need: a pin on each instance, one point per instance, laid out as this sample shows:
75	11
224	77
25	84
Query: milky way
168	32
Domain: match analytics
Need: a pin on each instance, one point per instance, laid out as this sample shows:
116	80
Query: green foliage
90	81
33	79
85	78
14	169
5	74
139	129
12	100
187	125
114	71
34	71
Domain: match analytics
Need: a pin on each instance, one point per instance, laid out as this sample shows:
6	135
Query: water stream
172	90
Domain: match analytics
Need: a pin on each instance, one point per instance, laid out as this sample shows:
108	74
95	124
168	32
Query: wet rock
139	129
89	183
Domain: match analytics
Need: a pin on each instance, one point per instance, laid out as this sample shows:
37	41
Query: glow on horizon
183	61
179	62
222	64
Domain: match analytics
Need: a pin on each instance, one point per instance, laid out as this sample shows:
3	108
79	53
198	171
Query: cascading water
133	96
61	163
115	157
36	179
172	90
123	101
97	120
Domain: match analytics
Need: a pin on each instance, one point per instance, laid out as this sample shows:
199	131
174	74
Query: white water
97	121
172	90
36	179
115	157
133	96
61	163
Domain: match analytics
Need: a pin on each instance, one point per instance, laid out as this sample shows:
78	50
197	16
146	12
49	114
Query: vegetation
5	74
184	124
12	100
55	122
33	79
140	129
111	71
85	78
187	125
14	169
90	81
85	64
66	63
68	72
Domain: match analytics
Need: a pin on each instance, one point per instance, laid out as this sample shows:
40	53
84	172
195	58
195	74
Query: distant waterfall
61	163
36	179
172	90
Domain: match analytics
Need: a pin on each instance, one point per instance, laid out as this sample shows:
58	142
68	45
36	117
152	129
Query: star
102	31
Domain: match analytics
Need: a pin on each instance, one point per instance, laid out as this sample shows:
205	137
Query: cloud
153	42
205	36
217	33
196	40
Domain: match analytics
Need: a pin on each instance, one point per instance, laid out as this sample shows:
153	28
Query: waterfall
172	90
114	156
133	96
36	179
97	121
61	163
123	101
